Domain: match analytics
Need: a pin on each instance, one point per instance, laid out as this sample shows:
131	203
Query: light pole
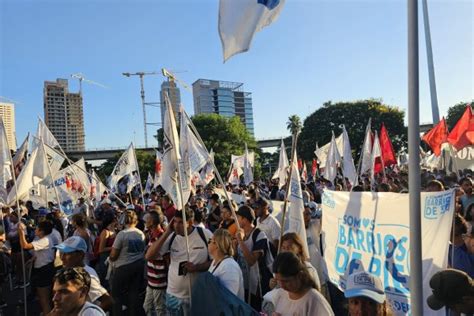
141	74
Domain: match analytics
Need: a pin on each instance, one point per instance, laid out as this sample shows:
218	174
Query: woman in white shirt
43	269
297	295
223	265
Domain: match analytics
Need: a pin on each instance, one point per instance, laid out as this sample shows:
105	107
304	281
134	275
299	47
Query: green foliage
269	163
454	114
355	115
146	163
226	136
294	124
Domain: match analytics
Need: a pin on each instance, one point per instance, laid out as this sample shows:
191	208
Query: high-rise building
169	87
7	113
63	114
224	98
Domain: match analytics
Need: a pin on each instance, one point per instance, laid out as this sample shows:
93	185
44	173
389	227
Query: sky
317	51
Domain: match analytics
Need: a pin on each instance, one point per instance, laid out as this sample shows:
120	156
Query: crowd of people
124	255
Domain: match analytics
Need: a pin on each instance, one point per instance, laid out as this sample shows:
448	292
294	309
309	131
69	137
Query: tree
318	127
294	124
454	114
226	136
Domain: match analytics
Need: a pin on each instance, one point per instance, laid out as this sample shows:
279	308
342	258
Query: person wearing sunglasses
71	288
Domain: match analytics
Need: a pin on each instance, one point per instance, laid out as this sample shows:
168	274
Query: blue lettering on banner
358	238
328	200
270	4
436	206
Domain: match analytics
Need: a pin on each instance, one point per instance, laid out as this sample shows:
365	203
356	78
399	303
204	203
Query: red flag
300	164
314	168
436	137
388	154
462	134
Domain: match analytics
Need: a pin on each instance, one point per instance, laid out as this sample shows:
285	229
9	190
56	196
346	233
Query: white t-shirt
178	285
229	274
312	303
96	290
43	251
271	227
89	309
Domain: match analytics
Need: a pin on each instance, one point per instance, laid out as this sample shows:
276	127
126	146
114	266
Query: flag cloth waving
5	163
283	165
125	166
239	20
436	137
462	134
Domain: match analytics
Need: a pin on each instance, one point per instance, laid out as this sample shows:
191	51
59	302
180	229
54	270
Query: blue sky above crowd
317	51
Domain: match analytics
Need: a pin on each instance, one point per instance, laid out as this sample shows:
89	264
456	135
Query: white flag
171	157
282	172
193	155
239	20
5	163
234	177
248	172
207	173
149	184
304	173
348	168
322	152
295	216
125	166
54	158
366	151
45	134
35	170
330	170
132	182
97	187
71	183
376	152
158	169
21	154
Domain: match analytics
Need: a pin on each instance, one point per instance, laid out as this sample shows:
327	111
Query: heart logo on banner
366	222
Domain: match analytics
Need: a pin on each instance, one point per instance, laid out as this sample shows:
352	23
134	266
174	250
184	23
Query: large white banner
370	231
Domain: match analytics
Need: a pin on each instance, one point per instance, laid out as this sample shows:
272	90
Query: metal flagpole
416	288
429	57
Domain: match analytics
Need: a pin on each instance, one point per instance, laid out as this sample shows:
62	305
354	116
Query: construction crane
172	77
81	78
142	74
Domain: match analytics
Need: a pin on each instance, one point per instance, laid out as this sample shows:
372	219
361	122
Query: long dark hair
289	265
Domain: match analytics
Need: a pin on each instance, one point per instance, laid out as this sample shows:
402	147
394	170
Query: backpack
269	254
201	234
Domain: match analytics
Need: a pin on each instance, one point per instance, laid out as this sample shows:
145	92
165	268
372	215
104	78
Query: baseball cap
366	285
74	243
131	207
246	212
449	286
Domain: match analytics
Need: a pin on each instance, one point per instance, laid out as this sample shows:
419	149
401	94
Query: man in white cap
366	295
72	252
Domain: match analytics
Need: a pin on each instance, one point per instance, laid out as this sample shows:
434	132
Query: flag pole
288	189
139	177
22	251
416	288
51	174
362	152
211	161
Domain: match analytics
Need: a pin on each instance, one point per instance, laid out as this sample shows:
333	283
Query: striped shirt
157	269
